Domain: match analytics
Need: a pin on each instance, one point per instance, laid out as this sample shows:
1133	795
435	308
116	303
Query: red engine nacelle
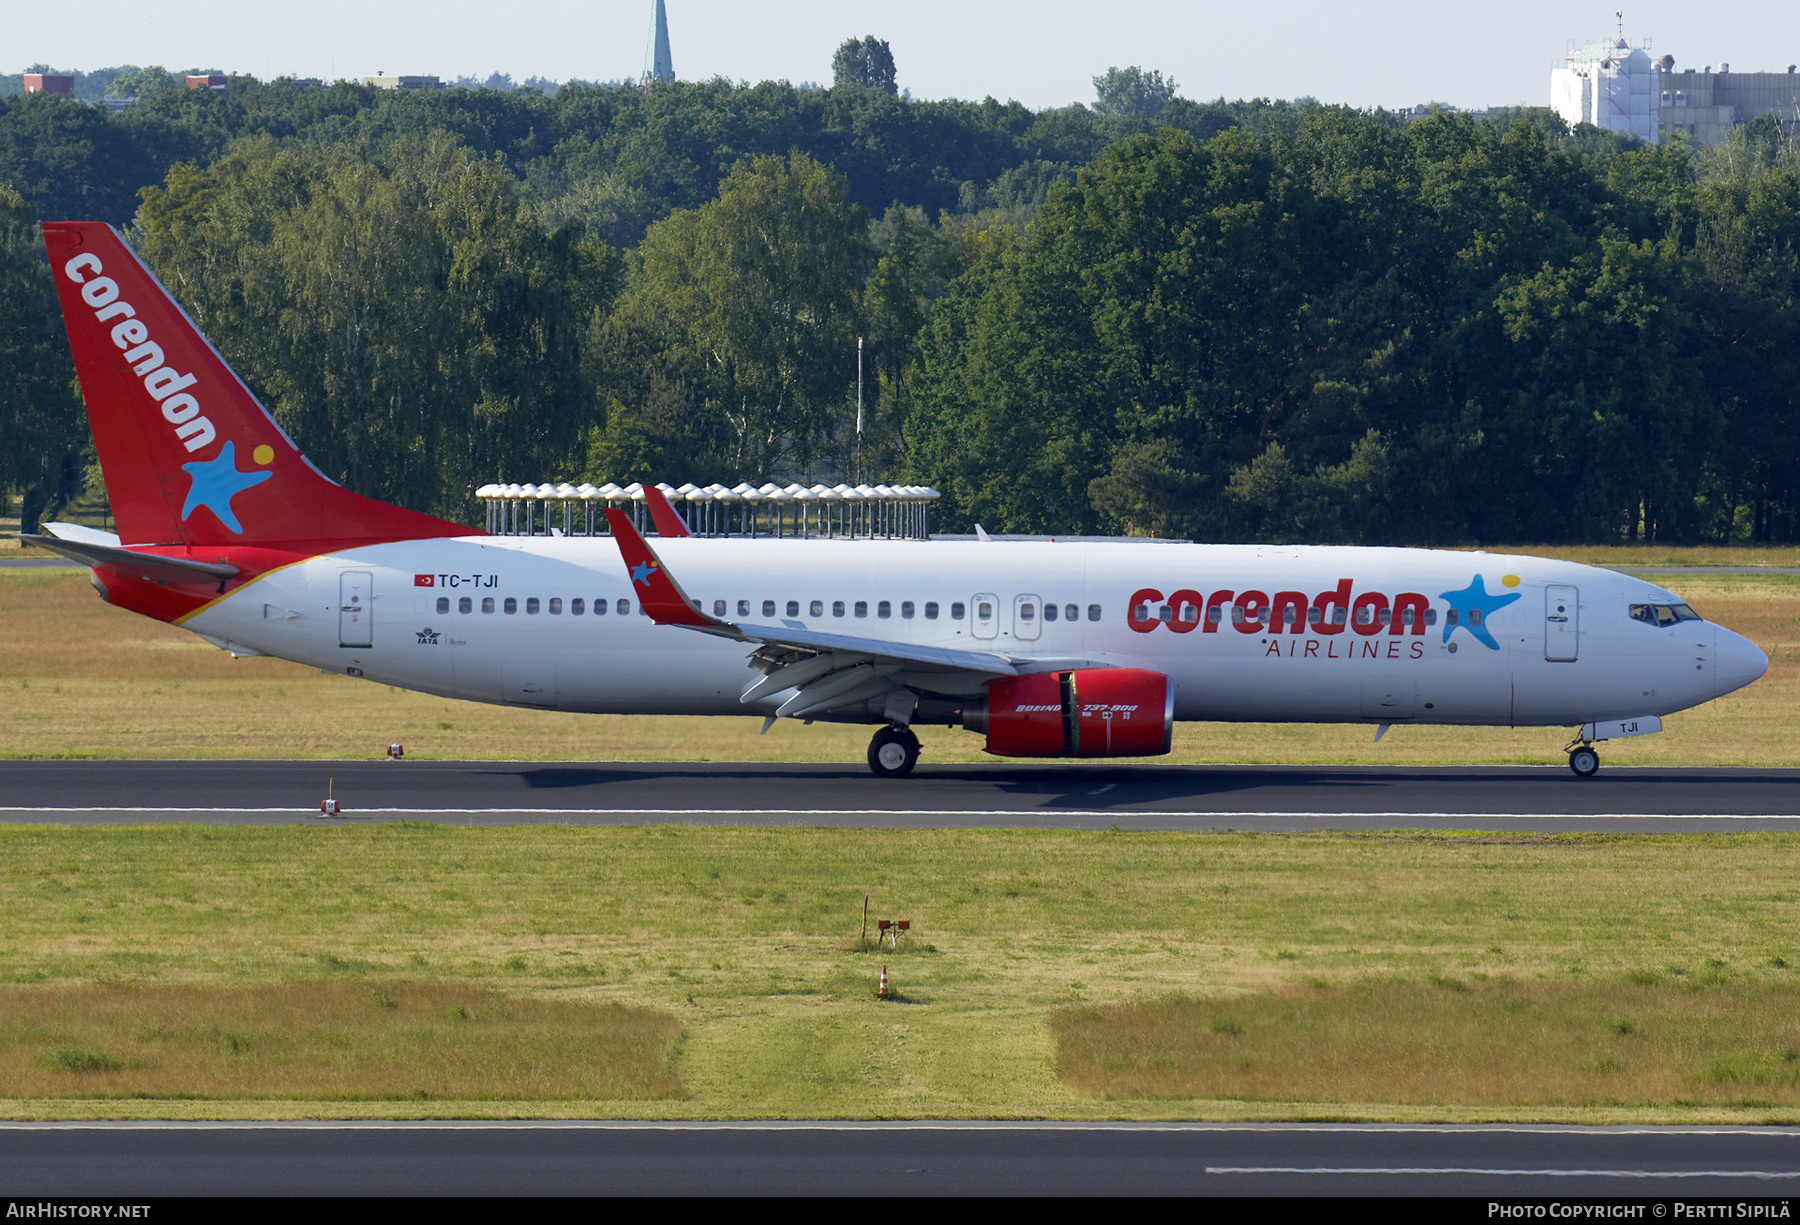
1090	712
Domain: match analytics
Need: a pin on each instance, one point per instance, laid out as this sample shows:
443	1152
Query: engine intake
1089	712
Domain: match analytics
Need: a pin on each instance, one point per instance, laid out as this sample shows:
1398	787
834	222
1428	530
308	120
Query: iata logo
428	637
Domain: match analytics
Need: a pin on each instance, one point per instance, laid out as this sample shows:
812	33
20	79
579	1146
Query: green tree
749	307
866	62
403	319
1132	91
44	438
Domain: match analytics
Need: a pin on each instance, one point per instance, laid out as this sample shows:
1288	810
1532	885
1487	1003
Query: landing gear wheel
1584	761
893	752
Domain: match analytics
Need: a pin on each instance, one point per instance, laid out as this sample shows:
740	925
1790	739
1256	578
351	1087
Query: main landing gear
893	752
1584	760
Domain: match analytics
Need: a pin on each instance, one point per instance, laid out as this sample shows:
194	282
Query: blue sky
1044	53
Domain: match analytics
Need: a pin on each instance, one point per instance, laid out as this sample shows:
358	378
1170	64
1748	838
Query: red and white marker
883	991
396	752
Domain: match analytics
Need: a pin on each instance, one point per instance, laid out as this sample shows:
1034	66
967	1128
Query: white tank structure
1610	84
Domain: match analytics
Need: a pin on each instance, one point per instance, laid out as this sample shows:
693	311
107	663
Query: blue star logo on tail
1475	599
641	573
216	482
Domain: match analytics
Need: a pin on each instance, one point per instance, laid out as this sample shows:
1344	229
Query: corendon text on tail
1047	649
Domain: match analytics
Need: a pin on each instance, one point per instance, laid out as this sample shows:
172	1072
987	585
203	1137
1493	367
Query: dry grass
93	680
1649	1040
334	1041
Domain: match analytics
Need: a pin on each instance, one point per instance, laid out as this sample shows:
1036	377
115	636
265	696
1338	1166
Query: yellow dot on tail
265	453
1510	580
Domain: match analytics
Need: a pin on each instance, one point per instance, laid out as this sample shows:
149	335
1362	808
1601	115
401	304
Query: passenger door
356	609
1562	623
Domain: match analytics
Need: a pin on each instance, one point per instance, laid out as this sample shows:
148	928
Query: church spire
658	65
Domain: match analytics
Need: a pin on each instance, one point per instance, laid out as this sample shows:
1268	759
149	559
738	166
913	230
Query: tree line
1229	321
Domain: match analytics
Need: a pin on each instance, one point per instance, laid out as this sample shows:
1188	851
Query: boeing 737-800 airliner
1048	649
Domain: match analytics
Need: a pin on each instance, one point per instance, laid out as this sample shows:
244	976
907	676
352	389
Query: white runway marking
1457	1169
932	812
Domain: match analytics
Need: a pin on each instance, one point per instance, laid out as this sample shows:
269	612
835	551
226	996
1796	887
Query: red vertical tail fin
189	454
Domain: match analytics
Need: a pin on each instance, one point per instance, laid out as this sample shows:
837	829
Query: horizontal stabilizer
127	563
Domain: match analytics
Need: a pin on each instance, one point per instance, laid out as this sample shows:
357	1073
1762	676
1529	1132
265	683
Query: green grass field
206	972
749	941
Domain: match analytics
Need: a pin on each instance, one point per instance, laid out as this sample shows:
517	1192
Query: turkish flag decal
424	580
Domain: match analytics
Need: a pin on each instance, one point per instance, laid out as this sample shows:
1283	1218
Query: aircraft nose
1740	661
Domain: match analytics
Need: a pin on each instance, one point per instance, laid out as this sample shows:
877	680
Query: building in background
49	83
212	80
1619	88
383	81
659	65
1611	85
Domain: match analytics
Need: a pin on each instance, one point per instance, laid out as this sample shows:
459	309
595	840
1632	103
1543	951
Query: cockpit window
1663	615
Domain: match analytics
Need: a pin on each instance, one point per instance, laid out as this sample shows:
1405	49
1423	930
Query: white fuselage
1564	648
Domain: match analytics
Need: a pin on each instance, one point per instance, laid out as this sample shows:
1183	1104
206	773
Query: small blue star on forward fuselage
641	573
215	482
1475	598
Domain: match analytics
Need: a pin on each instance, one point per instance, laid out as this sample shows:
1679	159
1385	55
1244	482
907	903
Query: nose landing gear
1584	760
893	752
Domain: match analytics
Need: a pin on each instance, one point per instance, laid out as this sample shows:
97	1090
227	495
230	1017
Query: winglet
657	591
668	523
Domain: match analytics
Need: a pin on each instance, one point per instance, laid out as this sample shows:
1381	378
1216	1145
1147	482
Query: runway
1518	799
890	1159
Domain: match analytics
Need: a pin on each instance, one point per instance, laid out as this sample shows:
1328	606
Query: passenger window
1049	612
1430	616
487	604
443	604
958	610
465	605
556	606
1215	614
906	610
1474	616
1093	612
577	606
1450	618
1315	616
984	611
931	610
862	608
531	606
600	608
622	607
768	608
511	606
793	608
884	610
1406	616
1386	615
817	608
837	608
1237	614
1071	612
743	608
1028	612
718	608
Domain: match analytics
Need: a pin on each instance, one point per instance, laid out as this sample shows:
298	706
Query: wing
827	671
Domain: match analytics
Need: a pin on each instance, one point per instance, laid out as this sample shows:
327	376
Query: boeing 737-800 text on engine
1048	649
